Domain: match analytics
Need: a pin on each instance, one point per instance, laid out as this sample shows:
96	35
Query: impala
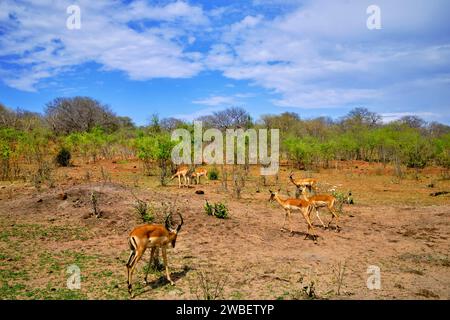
322	201
152	236
182	171
294	204
309	183
198	172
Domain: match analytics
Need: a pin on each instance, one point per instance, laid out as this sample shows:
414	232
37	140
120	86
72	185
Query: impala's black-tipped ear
270	191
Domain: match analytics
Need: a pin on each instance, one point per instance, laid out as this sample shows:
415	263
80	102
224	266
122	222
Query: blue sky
190	58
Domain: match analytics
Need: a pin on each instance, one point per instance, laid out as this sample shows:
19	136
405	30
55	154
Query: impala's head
273	195
303	189
173	230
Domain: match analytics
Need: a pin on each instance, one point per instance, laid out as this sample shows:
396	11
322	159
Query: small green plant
218	210
221	211
144	211
209	209
63	157
213	174
94	204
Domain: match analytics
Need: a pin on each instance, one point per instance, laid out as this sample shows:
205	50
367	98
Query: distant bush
218	210
213	174
63	157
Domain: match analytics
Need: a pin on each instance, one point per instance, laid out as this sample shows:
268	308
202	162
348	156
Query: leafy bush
213	174
63	157
341	199
209	209
218	210
158	148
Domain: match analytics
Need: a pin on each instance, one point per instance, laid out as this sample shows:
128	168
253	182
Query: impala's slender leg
290	221
334	215
285	217
318	216
138	254
179	181
165	264
152	253
310	226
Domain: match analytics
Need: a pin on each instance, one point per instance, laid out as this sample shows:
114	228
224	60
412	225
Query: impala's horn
167	222
181	223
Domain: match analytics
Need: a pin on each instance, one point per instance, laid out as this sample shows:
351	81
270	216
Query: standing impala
294	204
182	171
198	172
309	183
151	236
322	201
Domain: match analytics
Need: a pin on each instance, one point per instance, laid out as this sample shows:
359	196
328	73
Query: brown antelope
294	204
152	236
182	171
198	172
309	183
322	201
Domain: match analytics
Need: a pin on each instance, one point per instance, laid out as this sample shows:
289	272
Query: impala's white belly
157	241
289	207
320	204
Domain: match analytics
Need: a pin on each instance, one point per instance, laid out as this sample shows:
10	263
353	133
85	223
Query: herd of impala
160	236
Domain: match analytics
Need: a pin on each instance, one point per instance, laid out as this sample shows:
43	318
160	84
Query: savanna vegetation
76	179
31	143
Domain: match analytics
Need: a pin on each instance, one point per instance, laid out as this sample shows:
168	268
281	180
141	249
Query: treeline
89	129
361	135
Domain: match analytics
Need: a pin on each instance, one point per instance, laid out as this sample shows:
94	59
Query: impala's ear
279	190
270	191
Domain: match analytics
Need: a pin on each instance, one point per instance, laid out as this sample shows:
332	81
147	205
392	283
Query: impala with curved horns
151	236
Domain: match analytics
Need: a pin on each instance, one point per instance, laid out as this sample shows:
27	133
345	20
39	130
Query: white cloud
42	46
317	54
216	101
229	100
196	114
322	55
